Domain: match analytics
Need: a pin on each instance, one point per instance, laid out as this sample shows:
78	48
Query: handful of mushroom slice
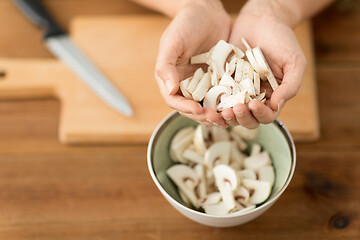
230	79
214	174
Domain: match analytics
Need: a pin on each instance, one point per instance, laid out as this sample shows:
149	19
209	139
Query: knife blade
59	43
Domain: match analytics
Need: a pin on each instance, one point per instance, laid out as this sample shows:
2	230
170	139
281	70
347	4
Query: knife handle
38	15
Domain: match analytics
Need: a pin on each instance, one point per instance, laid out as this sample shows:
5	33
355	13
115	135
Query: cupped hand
262	23
198	26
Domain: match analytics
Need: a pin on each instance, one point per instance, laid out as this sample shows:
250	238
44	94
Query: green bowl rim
170	117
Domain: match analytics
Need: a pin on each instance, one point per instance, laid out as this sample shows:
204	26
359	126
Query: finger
244	116
178	102
289	86
229	116
261	112
195	118
214	117
165	67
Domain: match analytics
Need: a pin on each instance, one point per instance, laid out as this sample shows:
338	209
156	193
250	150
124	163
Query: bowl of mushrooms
220	177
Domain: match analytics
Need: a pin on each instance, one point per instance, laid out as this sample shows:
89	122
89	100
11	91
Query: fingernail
227	119
281	104
169	86
240	114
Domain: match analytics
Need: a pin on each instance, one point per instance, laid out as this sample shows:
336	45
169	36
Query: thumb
288	88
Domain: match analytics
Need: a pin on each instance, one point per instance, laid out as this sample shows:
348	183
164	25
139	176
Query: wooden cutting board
125	49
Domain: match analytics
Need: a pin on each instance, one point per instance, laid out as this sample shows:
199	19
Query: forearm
292	12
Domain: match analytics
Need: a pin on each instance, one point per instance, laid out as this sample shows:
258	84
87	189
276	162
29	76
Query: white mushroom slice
230	66
184	198
238	53
180	142
248	71
201	188
232	100
267	174
186	179
200	58
247	134
241	143
261	96
257	161
227	80
202	88
226	181
218	134
217	209
183	85
263	64
257	83
245	43
247	174
218	153
248	86
213	96
211	198
236	157
255	149
241	195
259	190
193	156
195	80
253	62
214	75
201	138
210	181
239	70
240	209
219	56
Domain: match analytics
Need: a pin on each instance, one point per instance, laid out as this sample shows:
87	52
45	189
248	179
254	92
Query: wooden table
52	191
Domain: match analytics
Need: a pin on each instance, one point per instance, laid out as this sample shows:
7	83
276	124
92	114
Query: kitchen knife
59	43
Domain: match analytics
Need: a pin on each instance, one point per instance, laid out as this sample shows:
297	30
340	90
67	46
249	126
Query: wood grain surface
52	191
119	45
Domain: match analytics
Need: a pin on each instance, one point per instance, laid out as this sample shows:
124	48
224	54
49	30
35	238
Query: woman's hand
198	25
267	25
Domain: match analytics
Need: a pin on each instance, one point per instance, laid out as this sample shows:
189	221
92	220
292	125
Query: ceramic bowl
273	137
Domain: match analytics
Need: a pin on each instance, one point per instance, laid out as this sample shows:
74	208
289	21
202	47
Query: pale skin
197	25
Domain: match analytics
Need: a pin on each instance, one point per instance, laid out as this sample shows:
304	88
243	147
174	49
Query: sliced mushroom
240	209
195	80
263	64
213	96
236	156
243	132
180	142
259	190
261	96
201	188
211	198
202	88
230	66
255	149
200	58
186	179
226	181
214	76
218	153
201	138
241	143
227	80
220	54
183	85
193	156
238	53
257	83
184	198
218	134
257	161
241	195
267	174
247	174
248	86
239	70
248	71
217	209
232	100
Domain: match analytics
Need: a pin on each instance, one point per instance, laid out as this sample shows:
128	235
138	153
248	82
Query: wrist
284	10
